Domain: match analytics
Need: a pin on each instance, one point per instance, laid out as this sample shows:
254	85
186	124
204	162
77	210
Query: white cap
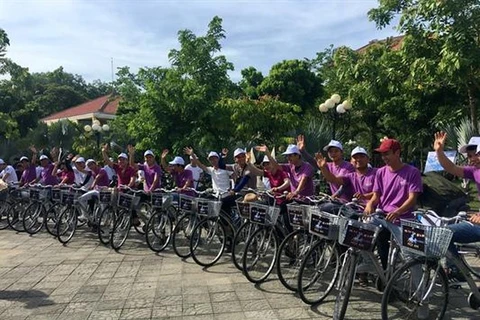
122	155
292	149
23	158
213	154
238	151
473	142
333	143
80	159
265	159
90	161
177	160
43	157
1	161
148	153
358	150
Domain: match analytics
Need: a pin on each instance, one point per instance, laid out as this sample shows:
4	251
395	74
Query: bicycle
159	227
360	237
12	204
420	287
34	214
68	220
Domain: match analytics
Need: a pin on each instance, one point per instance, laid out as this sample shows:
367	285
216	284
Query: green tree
251	80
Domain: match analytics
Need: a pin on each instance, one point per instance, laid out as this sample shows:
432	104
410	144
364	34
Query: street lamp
339	109
97	129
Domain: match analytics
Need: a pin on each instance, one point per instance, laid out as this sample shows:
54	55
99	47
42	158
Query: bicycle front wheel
121	229
260	255
207	242
67	224
4	206
15	215
419	289
181	235
318	272
106	221
239	243
159	231
347	276
290	256
33	217
51	218
470	254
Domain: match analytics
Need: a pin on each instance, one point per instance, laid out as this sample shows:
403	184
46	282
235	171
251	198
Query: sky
84	35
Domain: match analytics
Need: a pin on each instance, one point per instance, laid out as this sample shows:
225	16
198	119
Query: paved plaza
41	279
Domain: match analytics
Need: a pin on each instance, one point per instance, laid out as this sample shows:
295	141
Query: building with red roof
103	109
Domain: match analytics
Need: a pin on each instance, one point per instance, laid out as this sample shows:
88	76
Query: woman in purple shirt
153	172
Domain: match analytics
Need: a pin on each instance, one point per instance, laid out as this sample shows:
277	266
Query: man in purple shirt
153	172
395	191
300	174
100	181
30	171
183	178
47	176
361	181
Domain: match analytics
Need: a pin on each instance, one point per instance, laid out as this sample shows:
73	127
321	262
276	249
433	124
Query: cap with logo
333	143
213	154
291	149
148	153
359	150
473	142
238	152
177	160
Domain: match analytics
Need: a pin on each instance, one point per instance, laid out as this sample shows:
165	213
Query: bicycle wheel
33	217
15	215
106	221
67	224
51	218
239	242
347	276
181	235
318	272
143	212
159	231
208	241
4	207
290	256
470	254
121	229
419	289
260	254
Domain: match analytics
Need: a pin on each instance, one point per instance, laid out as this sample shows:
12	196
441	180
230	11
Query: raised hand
33	149
105	147
165	153
321	161
131	149
439	142
188	151
301	142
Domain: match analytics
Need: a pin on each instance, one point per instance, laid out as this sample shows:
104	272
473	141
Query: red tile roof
106	104
395	43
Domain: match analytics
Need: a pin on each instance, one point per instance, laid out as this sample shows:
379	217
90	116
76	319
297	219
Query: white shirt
38	171
81	176
220	179
110	172
12	175
196	172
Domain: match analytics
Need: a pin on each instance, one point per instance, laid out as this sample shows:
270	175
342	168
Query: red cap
387	145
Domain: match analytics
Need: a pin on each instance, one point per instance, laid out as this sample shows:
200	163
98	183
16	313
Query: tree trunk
472	104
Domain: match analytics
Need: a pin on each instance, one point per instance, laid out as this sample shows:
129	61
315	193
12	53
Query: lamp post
337	109
97	129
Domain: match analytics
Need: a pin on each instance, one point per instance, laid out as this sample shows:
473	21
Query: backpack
442	195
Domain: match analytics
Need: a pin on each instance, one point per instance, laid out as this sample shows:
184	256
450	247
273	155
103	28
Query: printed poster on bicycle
319	225
258	214
413	238
359	238
295	214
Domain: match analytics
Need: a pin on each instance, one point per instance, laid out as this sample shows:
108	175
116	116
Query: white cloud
82	36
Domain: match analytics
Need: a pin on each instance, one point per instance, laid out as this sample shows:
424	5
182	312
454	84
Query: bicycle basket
429	241
105	196
243	208
297	215
161	200
263	214
323	224
186	203
56	195
34	193
125	200
357	234
70	196
208	208
15	192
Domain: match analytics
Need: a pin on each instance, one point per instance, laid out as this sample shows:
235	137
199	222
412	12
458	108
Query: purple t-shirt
103	181
361	183
150	173
29	174
296	174
182	178
341	171
46	176
472	173
394	187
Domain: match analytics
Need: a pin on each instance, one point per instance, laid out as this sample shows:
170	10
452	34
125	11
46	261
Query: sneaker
423	312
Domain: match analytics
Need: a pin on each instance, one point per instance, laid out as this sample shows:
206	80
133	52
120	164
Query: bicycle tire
181	235
239	243
208	241
4	207
347	276
159	231
398	290
67	224
15	216
311	282
31	222
106	221
258	246
289	258
121	229
470	254
51	218
144	212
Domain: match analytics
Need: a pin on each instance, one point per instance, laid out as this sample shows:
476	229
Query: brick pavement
41	279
